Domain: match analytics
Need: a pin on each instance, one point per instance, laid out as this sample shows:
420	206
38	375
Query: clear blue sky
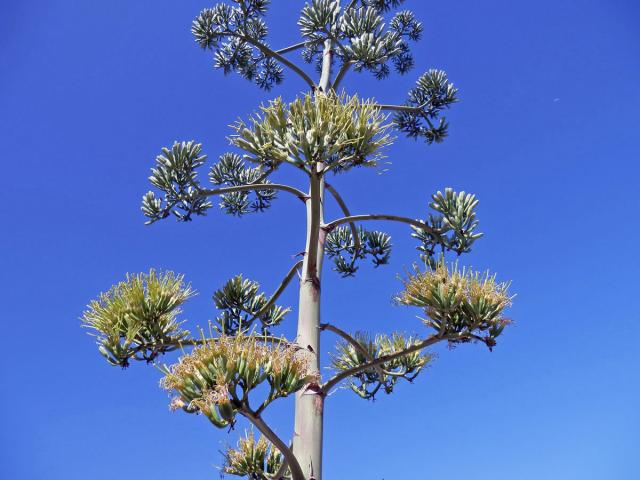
546	134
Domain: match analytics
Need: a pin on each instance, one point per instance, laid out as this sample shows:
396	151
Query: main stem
307	440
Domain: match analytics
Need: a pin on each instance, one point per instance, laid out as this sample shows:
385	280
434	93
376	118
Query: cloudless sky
546	134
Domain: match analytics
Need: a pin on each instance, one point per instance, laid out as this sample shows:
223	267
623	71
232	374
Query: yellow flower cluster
458	301
334	129
137	318
218	376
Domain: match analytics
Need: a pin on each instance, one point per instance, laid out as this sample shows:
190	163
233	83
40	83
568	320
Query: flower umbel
217	377
137	318
462	305
340	131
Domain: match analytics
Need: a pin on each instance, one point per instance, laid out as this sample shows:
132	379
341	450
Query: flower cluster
340	131
432	94
231	171
362	39
368	382
252	458
175	175
237	36
242	304
452	228
370	243
461	305
216	378
137	318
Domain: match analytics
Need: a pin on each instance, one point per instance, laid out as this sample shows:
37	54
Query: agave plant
242	365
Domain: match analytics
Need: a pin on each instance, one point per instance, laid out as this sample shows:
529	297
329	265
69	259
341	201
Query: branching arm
279	475
279	290
291	48
329	385
287	453
394	218
402	108
272	53
255	186
343	206
341	74
341	333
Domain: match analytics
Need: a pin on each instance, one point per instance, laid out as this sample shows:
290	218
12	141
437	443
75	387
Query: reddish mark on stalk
318	402
312	389
312	277
315	281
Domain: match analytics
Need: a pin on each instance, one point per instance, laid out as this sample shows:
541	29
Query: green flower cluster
385	375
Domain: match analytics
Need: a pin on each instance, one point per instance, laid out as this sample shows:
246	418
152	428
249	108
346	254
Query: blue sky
546	134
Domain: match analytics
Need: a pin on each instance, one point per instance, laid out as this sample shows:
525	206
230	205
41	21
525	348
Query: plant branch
279	290
283	467
357	345
297	165
394	218
402	108
291	48
341	74
345	210
271	53
292	462
254	186
382	359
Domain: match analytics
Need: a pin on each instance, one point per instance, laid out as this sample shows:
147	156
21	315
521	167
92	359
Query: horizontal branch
432	339
393	218
254	186
402	108
291	48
